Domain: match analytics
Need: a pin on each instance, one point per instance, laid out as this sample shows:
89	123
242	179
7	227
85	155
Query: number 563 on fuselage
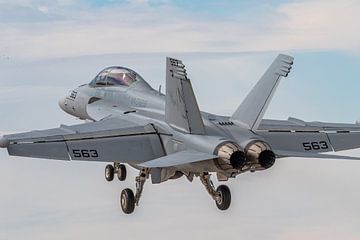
167	136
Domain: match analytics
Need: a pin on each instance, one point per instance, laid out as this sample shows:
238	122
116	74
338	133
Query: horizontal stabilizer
181	109
252	109
313	155
178	158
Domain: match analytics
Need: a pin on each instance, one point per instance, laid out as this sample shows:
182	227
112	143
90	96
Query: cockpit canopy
116	76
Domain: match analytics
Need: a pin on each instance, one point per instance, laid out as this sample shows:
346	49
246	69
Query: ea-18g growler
167	136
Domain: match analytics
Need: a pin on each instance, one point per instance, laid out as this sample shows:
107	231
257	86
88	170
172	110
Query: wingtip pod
4	142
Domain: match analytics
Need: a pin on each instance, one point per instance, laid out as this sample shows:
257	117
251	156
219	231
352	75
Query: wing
110	140
253	108
298	138
181	109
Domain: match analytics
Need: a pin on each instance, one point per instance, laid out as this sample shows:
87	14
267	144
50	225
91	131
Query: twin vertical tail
251	111
181	109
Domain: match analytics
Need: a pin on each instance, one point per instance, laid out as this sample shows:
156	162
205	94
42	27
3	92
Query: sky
50	47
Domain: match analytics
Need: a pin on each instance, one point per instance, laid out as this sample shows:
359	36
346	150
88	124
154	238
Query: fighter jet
167	137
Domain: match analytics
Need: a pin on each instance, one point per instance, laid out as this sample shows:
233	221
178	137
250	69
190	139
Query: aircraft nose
62	103
4	143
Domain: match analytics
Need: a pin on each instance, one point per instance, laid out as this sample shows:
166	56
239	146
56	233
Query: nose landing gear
109	173
118	169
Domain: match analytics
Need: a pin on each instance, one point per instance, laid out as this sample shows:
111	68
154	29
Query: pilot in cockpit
115	76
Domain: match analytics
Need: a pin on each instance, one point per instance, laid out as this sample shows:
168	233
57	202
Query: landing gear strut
118	169
221	195
128	200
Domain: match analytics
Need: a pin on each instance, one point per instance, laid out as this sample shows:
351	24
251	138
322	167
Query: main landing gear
118	169
221	195
128	200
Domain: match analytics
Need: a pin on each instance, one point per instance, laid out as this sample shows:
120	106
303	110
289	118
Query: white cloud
301	25
321	24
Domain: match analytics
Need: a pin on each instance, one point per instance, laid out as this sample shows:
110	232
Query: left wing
110	140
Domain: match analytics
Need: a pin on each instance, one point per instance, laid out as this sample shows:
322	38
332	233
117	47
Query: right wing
109	140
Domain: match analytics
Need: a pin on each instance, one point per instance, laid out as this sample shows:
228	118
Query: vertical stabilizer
251	111
181	109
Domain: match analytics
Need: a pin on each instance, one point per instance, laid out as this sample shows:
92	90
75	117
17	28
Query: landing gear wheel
127	201
109	173
223	199
121	172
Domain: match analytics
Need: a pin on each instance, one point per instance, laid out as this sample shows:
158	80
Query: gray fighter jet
167	136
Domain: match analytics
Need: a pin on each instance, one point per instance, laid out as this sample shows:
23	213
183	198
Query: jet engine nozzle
230	156
267	159
4	142
260	153
238	160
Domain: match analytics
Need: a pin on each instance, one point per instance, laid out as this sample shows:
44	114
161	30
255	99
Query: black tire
122	172
109	173
224	201
127	201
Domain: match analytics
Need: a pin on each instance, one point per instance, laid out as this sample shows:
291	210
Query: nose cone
4	143
62	103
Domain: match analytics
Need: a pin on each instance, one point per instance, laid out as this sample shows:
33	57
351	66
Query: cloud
40	30
12	14
321	24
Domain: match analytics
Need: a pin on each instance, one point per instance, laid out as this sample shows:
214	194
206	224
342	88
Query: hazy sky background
50	47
